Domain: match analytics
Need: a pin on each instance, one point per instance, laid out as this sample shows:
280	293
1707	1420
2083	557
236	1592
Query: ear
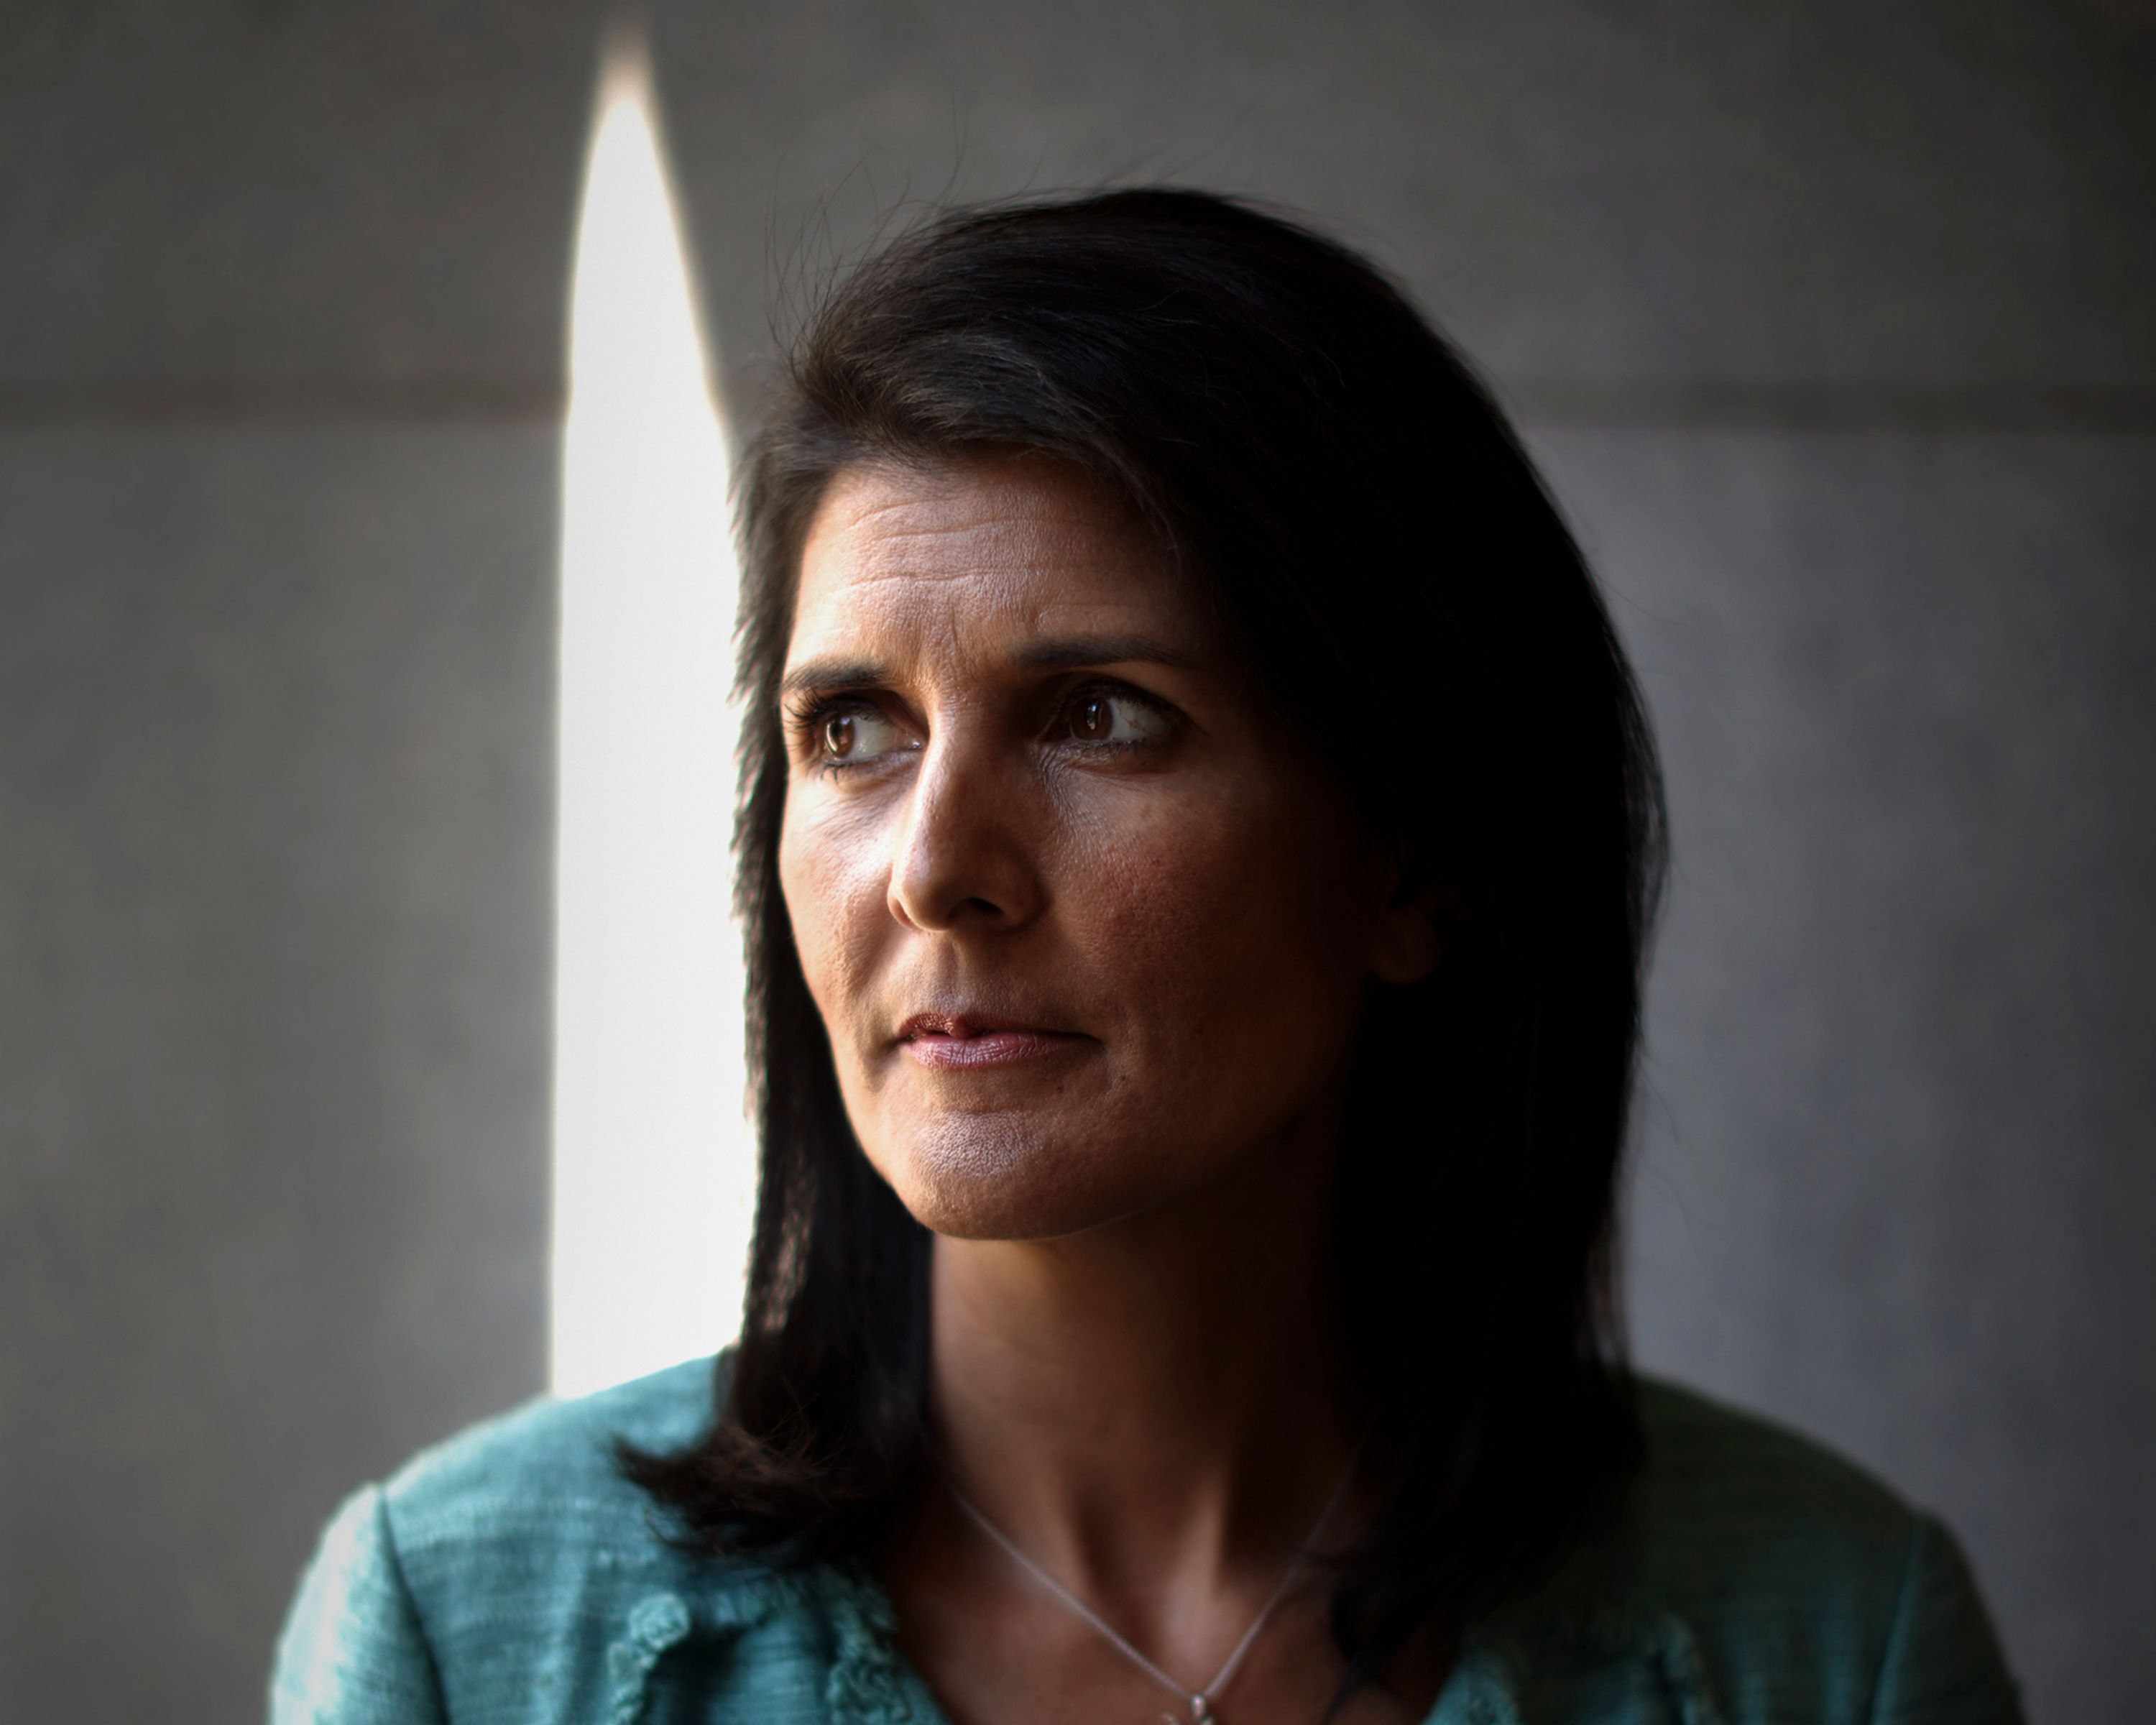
1415	926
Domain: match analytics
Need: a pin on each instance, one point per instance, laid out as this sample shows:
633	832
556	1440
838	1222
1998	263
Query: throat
1140	1401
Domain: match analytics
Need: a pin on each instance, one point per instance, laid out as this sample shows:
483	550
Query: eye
852	735
1114	718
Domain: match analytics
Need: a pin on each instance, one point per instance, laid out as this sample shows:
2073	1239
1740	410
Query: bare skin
1091	933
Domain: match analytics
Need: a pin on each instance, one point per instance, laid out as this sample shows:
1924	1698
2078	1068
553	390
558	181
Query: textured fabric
510	1577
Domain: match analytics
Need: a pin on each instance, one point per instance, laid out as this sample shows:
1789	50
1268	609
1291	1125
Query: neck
1158	1397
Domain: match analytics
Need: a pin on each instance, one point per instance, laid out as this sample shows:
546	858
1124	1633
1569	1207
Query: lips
964	1024
965	1041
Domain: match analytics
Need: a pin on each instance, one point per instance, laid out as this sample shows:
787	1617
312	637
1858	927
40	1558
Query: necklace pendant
1201	1710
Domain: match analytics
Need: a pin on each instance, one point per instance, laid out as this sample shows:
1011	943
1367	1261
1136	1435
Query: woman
1199	839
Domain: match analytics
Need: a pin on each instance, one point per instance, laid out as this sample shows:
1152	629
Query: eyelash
805	721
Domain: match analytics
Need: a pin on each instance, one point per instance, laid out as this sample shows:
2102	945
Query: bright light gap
652	1167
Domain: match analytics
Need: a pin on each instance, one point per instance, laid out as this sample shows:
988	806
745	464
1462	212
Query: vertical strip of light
652	1168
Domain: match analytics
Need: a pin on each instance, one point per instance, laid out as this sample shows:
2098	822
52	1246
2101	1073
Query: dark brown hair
1368	525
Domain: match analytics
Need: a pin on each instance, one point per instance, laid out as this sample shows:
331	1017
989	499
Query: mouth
968	1041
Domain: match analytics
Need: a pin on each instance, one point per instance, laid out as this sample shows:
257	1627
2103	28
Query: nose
964	854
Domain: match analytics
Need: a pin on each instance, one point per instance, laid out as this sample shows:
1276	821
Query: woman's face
1085	926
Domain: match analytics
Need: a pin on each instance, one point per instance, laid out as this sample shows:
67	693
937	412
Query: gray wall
280	326
1830	321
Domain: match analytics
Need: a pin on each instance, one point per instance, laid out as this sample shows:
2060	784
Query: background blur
1831	323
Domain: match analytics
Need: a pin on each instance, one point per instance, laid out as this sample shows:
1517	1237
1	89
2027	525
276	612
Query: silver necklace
1199	1700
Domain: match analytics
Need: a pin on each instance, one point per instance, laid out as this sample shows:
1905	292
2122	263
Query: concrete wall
279	361
1830	321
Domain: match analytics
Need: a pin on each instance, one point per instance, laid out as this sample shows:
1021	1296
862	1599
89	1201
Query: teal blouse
510	1577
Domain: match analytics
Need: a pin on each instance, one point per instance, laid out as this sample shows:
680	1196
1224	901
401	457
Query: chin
1004	1177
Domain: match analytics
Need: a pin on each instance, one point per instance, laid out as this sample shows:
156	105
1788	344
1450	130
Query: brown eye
1113	718
854	737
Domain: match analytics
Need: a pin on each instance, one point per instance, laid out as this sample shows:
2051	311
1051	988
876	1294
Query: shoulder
527	1515
512	1559
1722	1490
1773	1579
549	1455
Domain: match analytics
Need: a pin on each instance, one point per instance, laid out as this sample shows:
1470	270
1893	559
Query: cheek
831	876
1230	915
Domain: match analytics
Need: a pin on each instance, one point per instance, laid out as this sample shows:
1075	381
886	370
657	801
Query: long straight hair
1366	525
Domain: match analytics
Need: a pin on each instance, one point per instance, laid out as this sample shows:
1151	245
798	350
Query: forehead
979	551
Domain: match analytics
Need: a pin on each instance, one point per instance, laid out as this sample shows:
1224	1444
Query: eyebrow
1071	652
1059	653
817	676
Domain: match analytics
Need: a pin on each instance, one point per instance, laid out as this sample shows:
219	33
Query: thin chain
1200	1701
